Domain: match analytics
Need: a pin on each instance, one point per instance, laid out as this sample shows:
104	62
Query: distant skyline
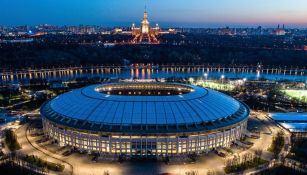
168	13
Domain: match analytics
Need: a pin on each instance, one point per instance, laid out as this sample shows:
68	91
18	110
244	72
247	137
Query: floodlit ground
298	94
216	85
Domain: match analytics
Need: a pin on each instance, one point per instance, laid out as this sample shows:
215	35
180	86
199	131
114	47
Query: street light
206	75
222	77
191	80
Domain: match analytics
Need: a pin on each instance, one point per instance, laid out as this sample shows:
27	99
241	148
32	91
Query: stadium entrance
145	149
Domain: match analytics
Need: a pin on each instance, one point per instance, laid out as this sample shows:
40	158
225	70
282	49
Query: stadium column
141	152
157	148
223	139
188	145
215	140
177	148
207	144
110	144
64	136
130	147
120	144
99	144
198	144
146	147
167	146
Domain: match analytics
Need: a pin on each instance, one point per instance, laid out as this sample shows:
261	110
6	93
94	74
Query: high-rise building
145	23
279	31
145	34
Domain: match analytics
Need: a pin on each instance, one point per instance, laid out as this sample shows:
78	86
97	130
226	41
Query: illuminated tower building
145	34
145	23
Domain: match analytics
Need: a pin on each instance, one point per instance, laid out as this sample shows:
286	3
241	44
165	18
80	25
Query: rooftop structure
289	117
296	123
295	127
135	113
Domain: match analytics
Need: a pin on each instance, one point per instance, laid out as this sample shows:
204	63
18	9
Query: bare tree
258	153
244	158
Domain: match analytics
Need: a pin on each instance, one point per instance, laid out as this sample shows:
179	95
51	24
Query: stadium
148	120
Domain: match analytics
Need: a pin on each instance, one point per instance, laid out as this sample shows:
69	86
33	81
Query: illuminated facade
145	34
150	120
280	31
145	23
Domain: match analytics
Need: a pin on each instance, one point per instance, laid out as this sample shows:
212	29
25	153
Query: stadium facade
145	119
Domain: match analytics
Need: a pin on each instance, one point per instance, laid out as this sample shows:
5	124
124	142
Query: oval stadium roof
200	109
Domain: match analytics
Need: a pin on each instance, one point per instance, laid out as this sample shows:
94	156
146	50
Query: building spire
145	23
145	17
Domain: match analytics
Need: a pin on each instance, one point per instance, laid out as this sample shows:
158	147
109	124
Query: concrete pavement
81	164
31	148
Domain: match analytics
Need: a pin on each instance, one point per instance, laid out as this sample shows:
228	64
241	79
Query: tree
258	152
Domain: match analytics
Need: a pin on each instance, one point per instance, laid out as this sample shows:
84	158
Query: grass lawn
32	159
301	95
244	166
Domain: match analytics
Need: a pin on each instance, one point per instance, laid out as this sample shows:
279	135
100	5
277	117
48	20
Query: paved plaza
82	164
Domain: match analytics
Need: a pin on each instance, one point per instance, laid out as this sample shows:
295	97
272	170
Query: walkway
31	148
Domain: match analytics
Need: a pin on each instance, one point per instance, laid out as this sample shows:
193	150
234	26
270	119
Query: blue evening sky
168	13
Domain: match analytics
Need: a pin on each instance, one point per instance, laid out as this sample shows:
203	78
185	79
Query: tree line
54	54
